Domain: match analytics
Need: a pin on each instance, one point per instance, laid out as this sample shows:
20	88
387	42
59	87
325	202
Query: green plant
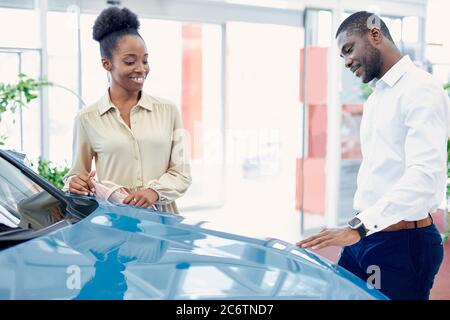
366	91
18	95
447	87
448	167
447	232
52	173
2	139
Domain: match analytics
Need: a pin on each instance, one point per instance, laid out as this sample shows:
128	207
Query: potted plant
53	173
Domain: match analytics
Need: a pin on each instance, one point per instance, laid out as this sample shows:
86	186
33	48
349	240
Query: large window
438	41
263	133
19	28
19	53
311	164
63	71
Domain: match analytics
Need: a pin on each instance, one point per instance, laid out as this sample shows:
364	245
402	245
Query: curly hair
112	24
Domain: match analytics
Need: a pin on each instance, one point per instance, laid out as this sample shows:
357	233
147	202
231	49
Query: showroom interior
272	113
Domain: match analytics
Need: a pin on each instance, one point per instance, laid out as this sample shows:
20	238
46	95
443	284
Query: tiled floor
441	288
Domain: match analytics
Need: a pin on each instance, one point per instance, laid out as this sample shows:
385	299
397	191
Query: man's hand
331	237
143	198
82	184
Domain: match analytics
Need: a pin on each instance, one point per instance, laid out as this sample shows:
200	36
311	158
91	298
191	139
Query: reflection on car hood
121	252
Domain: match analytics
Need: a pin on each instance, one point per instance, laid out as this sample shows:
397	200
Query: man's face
363	59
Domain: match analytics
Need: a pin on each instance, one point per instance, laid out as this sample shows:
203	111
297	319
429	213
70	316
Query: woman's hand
144	198
82	184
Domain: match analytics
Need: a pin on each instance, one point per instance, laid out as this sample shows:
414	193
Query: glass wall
19	28
311	164
63	71
263	133
438	42
19	53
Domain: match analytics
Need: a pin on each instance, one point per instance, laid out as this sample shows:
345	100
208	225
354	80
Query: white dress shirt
404	132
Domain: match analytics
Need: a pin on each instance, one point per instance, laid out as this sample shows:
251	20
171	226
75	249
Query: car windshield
23	203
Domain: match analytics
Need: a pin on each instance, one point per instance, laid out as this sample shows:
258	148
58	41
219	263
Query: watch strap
362	231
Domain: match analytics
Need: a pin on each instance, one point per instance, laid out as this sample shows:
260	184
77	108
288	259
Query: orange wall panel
316	75
314	182
191	95
317	130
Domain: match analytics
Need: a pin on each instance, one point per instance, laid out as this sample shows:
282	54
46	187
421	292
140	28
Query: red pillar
191	95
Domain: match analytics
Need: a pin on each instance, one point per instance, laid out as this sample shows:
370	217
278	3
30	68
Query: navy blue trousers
406	260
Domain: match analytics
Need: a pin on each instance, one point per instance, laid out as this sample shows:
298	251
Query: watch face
355	223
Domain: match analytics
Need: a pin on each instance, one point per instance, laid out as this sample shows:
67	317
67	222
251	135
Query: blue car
55	245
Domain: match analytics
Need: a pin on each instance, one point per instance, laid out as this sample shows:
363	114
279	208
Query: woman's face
129	66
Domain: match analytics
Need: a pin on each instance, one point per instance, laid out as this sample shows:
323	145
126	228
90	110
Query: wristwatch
356	224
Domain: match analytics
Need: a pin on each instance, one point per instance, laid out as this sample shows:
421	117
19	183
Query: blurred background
272	113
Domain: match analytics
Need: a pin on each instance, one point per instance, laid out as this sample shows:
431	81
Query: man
403	174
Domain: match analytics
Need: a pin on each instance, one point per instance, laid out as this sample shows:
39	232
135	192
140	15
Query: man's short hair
361	22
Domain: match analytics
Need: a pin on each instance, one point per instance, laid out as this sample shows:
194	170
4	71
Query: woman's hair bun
114	19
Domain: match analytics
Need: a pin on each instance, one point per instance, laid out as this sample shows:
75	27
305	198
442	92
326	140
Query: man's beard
372	63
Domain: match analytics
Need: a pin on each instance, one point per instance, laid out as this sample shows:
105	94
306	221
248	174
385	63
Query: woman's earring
108	75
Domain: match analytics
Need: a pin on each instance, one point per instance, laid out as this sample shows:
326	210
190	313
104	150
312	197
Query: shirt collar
105	102
397	71
394	73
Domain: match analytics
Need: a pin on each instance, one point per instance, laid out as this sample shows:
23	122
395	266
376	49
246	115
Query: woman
135	139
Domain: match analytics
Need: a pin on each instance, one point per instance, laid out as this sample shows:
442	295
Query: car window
23	203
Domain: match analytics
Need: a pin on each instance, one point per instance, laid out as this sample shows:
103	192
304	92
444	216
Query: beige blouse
152	154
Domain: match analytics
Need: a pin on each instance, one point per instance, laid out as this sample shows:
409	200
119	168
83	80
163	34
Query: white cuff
375	219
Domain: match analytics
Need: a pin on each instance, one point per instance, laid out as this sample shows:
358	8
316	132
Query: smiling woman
137	140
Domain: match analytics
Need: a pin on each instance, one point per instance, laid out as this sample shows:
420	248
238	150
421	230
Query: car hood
121	252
